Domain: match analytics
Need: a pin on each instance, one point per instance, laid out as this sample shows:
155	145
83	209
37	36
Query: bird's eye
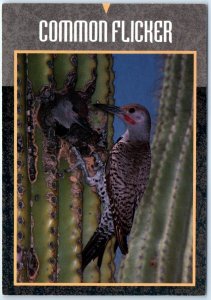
131	110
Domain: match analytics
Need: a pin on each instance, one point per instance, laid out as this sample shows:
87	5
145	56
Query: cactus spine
161	234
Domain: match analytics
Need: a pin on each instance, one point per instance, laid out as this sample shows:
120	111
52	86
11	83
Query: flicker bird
65	114
126	178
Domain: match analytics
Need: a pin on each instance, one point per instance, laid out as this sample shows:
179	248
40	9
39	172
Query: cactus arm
152	216
179	212
168	167
144	212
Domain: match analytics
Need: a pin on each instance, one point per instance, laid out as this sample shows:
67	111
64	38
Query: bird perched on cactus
126	178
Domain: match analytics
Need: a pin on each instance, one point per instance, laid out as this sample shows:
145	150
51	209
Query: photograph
104	168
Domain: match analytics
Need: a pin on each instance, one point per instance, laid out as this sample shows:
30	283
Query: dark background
8	213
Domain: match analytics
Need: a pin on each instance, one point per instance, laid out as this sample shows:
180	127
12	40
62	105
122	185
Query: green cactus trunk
44	189
70	193
86	72
60	213
161	237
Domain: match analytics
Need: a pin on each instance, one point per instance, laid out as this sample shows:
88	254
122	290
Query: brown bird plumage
127	174
126	178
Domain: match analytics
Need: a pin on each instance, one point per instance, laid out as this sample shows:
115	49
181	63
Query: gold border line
194	164
15	168
105	284
106	51
194	53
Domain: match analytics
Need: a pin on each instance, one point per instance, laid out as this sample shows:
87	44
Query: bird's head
135	116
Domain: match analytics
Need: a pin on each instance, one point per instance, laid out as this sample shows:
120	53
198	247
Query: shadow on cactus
80	196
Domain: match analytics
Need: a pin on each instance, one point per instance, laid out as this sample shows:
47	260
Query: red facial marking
129	120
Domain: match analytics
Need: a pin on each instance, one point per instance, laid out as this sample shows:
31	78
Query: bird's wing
122	175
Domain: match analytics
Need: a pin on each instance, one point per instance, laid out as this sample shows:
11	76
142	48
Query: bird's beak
110	108
117	111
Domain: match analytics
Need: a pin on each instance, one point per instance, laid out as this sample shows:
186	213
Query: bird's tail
95	248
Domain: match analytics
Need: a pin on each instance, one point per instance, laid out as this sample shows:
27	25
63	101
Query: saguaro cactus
58	212
70	190
160	247
44	189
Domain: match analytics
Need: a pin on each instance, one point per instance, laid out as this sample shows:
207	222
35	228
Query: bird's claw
98	160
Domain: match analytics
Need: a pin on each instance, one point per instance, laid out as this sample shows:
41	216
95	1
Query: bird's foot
98	162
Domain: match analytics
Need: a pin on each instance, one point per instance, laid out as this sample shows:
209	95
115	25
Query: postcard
104	149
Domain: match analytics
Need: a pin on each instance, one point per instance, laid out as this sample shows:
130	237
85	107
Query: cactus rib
44	191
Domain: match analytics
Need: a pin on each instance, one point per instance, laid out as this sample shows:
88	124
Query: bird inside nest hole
65	115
